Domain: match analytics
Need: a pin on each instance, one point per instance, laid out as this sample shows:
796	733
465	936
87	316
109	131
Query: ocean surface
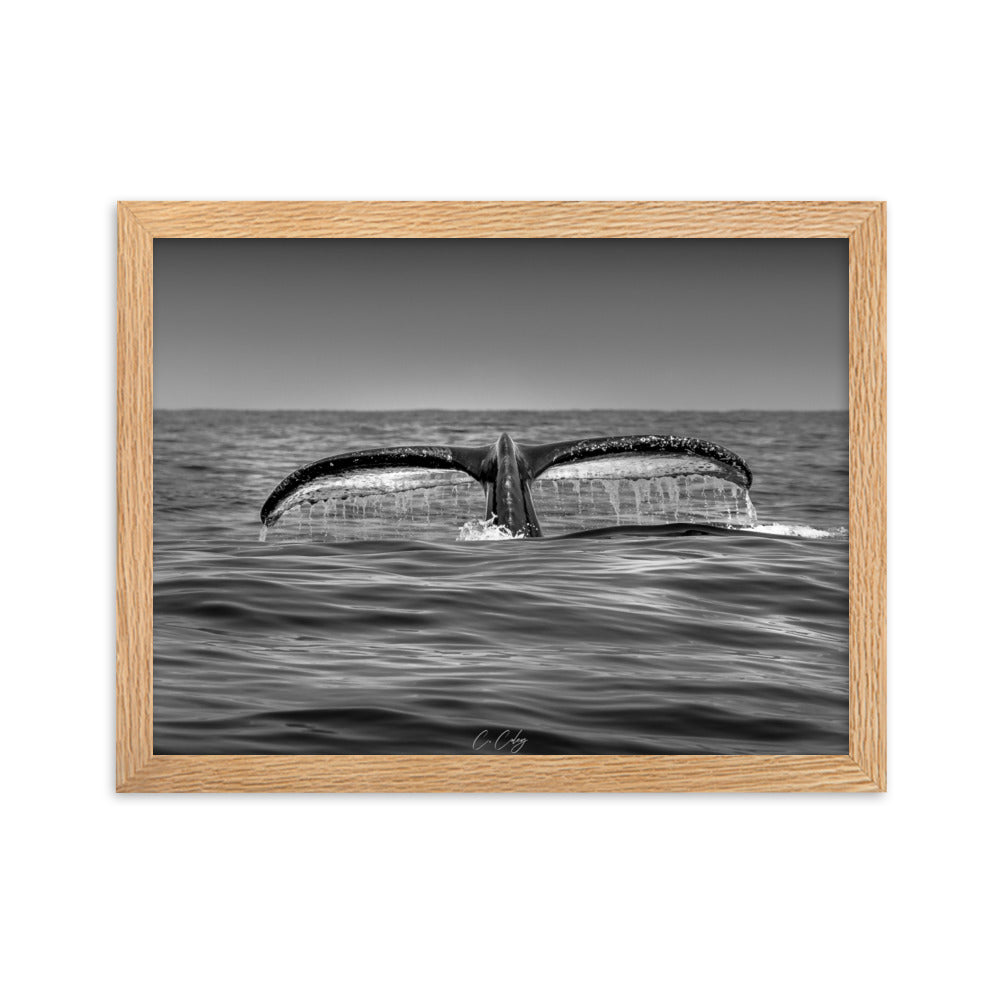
409	626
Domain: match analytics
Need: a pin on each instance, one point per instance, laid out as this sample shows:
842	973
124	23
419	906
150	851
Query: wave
477	531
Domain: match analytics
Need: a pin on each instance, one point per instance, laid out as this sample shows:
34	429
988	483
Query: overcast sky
501	324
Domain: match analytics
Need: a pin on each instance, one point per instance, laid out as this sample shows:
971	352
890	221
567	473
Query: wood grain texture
863	224
493	773
134	582
867	532
499	220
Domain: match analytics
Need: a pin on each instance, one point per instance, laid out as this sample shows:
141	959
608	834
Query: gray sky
501	324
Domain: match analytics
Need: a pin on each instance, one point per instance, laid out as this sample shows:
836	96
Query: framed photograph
501	496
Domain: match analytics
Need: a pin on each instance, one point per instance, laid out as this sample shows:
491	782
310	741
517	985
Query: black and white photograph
487	506
500	496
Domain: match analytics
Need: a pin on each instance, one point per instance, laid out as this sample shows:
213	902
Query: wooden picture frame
863	768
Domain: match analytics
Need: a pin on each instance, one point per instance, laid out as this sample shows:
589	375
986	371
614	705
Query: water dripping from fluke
434	492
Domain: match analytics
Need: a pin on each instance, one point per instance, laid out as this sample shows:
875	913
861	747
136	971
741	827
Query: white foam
797	531
486	531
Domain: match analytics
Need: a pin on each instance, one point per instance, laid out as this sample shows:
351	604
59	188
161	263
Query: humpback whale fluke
506	470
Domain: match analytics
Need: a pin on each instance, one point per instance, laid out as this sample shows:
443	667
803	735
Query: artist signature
505	741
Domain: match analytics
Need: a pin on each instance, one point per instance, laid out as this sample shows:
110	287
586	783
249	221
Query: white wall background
699	896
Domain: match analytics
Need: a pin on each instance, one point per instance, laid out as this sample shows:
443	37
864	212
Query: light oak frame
863	768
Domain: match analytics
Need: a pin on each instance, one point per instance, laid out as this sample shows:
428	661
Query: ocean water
406	626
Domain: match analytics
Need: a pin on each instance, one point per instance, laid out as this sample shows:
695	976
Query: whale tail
506	471
380	470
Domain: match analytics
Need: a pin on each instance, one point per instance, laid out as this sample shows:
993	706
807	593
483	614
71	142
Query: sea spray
486	531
